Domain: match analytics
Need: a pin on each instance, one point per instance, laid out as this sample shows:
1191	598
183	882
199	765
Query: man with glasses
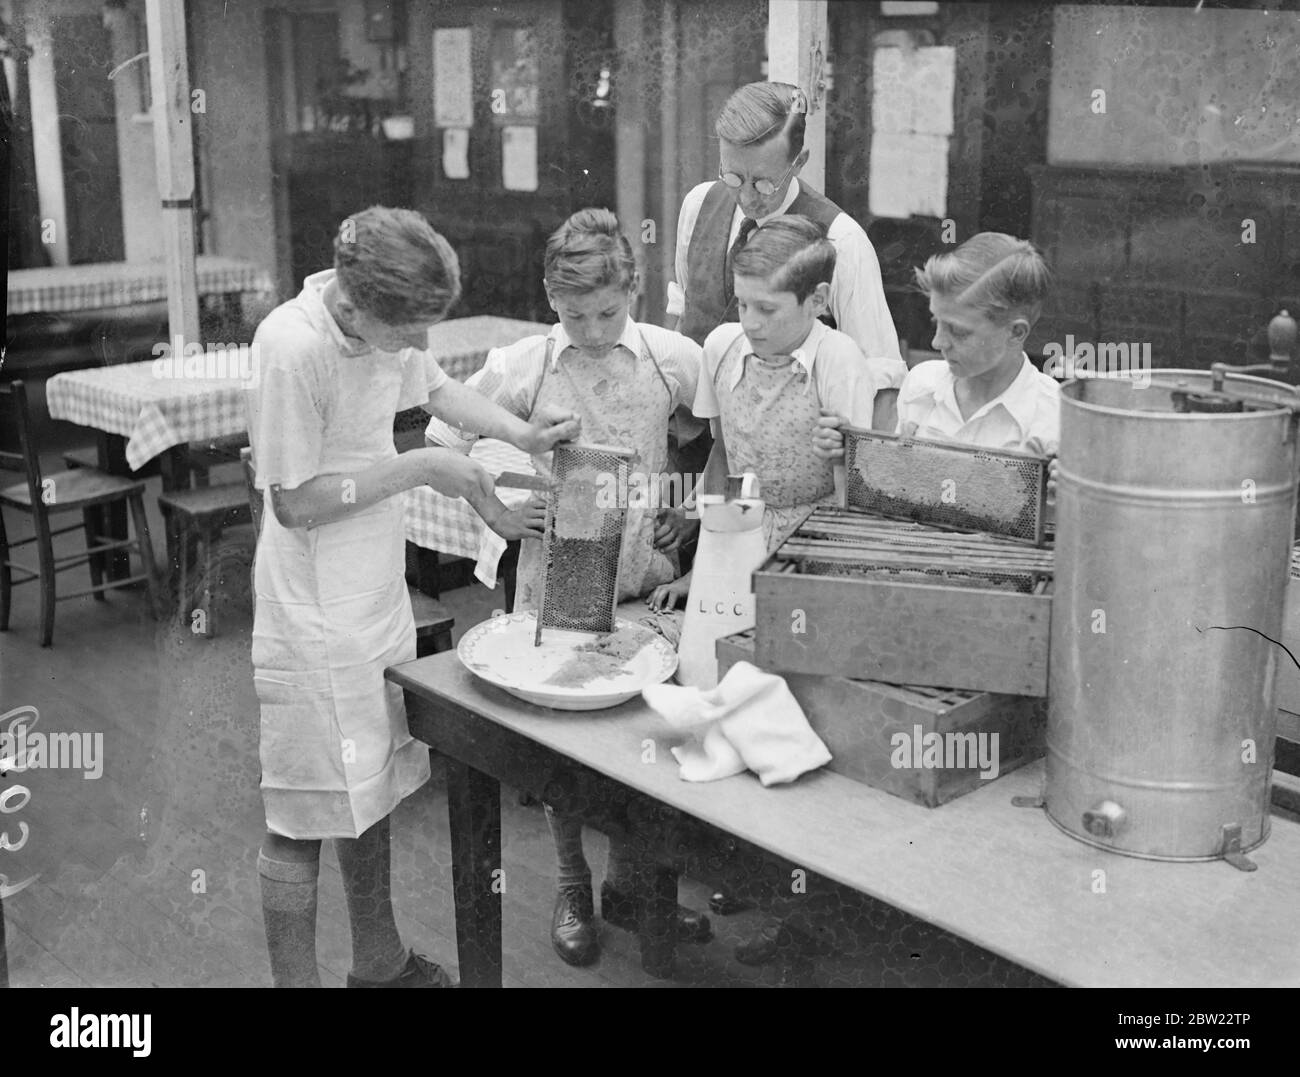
760	134
760	137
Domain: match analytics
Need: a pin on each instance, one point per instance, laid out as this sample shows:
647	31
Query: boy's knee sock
289	912
365	864
571	864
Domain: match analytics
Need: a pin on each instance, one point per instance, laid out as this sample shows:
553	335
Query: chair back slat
15	414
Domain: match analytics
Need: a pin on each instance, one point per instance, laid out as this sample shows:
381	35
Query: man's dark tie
747	226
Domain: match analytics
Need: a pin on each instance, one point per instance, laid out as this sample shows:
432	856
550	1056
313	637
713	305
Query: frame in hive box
850	595
871	727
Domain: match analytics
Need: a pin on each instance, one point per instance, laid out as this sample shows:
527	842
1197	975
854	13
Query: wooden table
1002	877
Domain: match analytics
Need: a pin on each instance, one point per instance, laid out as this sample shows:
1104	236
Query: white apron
624	400
332	614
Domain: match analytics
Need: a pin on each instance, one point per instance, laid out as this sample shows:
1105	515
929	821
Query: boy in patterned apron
335	365
768	381
624	380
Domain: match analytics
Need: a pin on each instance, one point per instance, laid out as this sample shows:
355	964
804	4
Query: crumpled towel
751	720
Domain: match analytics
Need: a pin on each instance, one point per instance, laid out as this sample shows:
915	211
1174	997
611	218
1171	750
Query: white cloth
332	606
857	300
1024	417
751	720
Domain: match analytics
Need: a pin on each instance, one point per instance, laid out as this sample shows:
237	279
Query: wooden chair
203	512
433	624
87	490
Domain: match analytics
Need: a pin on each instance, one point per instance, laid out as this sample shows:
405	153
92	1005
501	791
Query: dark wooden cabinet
1165	257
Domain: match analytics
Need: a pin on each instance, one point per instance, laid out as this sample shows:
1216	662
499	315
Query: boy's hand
457	476
666	595
672	528
525	522
549	426
1052	468
828	442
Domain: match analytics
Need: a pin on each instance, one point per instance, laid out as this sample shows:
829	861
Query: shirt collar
790	195
313	297
804	356
630	339
1017	399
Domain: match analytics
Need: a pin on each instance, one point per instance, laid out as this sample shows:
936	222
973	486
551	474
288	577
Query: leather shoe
774	939
573	926
418	972
620	910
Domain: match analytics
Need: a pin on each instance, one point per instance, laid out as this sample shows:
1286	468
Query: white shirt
857	300
1025	416
511	375
846	381
324	404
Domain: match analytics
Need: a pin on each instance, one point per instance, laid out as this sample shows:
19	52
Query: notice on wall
519	158
453	85
455	152
912	94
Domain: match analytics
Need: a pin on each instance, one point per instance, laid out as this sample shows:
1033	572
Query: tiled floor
147	874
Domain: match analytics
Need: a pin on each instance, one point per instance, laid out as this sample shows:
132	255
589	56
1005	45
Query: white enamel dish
501	652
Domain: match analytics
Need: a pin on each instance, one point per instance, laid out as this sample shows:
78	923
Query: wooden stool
204	512
433	624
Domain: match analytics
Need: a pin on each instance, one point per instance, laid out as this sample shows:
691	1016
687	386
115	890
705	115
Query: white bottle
721	599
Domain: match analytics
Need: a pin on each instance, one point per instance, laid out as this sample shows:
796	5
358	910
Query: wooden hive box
871	727
839	619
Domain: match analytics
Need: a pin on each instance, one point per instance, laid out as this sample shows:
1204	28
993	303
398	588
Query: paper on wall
453	88
912	120
891	165
934	83
455	153
891	101
928	179
519	158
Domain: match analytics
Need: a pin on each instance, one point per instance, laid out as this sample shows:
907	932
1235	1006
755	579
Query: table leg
474	810
658	927
174	466
111	449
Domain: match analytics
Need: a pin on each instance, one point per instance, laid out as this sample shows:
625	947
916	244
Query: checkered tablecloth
461	345
449	525
120	284
153	413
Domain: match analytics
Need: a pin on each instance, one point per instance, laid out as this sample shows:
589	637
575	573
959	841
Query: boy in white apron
334	365
624	380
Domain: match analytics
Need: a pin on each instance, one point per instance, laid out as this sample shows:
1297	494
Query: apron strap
726	355
649	352
546	365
